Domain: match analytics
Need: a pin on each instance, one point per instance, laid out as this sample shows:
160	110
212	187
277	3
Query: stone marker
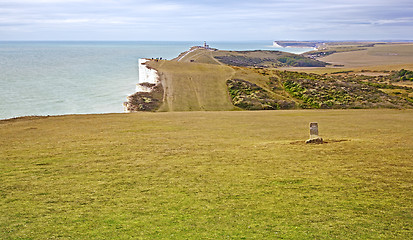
314	138
313	130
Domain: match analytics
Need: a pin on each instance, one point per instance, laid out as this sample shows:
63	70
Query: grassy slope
199	56
208	175
194	86
259	58
261	78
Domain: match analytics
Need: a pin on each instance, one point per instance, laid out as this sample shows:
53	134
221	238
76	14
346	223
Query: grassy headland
258	58
210	79
202	86
208	175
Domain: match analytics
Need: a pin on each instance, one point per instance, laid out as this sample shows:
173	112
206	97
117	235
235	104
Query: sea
84	77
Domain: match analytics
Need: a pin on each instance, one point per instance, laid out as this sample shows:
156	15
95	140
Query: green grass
194	86
208	175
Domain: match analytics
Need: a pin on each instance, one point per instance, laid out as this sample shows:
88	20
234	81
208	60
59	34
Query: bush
249	96
402	75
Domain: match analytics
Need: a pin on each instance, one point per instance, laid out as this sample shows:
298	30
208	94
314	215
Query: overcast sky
206	20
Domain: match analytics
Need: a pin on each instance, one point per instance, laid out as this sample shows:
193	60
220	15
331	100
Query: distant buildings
194	48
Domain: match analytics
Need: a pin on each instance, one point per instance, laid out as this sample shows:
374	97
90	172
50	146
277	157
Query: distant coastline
82	77
296	44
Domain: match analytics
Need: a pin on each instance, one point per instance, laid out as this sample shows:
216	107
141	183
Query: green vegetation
403	75
208	175
250	96
241	61
320	91
300	61
257	58
264	59
146	101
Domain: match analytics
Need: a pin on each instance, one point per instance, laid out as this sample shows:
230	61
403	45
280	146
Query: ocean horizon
84	77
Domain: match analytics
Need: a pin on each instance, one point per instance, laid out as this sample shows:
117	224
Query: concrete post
314	138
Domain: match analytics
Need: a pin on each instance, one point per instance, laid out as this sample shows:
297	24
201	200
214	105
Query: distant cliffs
296	44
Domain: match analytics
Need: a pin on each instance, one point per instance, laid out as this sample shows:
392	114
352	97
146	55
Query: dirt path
186	54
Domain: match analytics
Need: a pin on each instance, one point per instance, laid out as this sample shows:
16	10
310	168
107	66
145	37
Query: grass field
400	55
208	175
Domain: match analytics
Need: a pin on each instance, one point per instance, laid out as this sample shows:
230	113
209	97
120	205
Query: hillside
257	58
210	79
193	86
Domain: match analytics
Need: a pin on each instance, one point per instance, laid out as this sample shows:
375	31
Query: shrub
249	96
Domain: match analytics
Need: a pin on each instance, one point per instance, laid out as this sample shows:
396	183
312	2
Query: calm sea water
54	78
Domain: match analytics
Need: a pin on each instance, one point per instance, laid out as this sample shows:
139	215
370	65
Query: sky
211	20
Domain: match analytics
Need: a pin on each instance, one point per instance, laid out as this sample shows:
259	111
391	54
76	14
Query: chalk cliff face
146	75
149	91
275	44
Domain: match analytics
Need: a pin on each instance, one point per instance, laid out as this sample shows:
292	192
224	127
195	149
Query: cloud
393	21
213	19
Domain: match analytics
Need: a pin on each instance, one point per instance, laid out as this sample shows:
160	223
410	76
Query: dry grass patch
387	54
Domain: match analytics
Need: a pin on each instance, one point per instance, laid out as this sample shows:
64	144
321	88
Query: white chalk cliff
148	81
146	75
275	44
